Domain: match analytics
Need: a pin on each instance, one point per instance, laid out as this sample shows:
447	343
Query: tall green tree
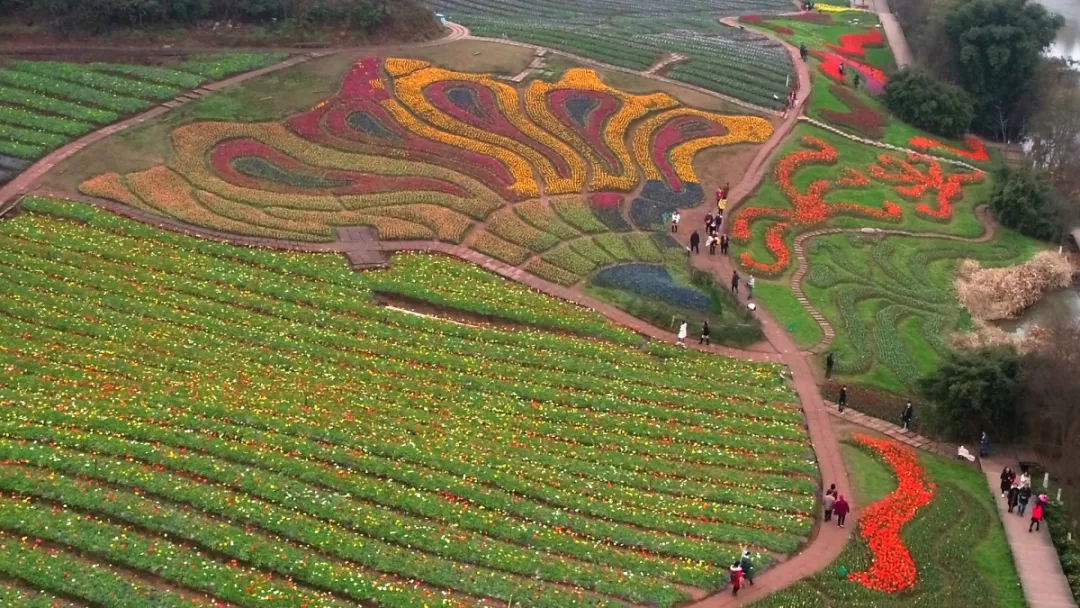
995	47
922	100
1025	201
975	392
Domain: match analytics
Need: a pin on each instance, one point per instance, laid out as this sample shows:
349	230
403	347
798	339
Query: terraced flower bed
45	104
208	450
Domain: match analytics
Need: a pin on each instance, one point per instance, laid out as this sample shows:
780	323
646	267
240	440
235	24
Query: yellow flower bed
170	194
489	244
253	215
389	228
551	272
399	67
111	186
447	225
741	129
829	8
410	92
505	224
542	217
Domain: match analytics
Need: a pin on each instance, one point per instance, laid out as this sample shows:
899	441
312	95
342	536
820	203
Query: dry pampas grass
984	335
992	294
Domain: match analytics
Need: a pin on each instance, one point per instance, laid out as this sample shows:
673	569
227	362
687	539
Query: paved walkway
1045	585
893	32
894	431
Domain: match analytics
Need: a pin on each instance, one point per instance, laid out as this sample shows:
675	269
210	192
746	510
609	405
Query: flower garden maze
249	425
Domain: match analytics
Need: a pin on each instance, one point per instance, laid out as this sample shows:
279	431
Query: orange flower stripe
892	569
914	184
410	91
740	129
976	150
396	66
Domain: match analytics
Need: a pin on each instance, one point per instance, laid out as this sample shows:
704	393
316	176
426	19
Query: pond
1053	304
1068	39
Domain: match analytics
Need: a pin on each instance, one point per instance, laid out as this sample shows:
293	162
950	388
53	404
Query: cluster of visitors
834	502
742	568
1017	493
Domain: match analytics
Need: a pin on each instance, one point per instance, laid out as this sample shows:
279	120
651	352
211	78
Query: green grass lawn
957	542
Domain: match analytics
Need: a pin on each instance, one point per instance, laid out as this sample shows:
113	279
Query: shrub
1024	200
975	392
919	98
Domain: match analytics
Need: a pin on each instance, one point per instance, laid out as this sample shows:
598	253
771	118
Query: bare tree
1054	131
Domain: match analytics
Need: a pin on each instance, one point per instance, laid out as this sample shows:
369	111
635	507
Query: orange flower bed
916	183
892	569
975	151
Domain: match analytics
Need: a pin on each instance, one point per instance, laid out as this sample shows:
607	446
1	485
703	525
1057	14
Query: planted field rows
228	420
44	104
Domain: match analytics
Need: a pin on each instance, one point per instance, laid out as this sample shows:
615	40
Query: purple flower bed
653	282
657	199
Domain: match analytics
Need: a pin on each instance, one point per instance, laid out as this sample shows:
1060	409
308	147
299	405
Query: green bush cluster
924	101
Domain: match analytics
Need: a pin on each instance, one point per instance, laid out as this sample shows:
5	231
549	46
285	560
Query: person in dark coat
1013	497
909	413
841	399
735	282
1007	476
1022	498
803	52
712	244
841	509
723	243
695	240
830	360
747	565
704	333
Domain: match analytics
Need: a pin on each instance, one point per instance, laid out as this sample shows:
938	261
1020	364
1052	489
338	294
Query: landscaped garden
185	422
45	104
929	536
635	34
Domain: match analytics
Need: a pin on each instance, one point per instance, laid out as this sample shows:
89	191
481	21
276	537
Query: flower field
424	153
721	59
954	548
45	104
249	428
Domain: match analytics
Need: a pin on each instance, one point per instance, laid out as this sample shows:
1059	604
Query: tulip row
541	216
550	272
588	249
574	210
77	73
607	207
975	151
76	93
507	225
565	258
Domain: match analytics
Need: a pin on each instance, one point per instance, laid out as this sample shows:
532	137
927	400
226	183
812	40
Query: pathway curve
893	32
1036	559
982	212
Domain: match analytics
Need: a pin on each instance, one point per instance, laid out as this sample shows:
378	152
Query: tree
995	46
975	392
1025	201
1054	134
922	100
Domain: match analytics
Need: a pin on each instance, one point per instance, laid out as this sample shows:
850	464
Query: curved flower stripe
410	90
401	67
551	272
676	132
861	118
976	150
447	225
557	118
507	225
739	129
499	249
853	44
616	129
257	217
892	569
227	152
389	227
914	184
809	207
112	187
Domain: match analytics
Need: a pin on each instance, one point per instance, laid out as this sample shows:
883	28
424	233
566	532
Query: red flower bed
976	151
861	118
672	134
892	569
854	44
808	208
606	200
486	116
830	66
225	153
590	126
913	184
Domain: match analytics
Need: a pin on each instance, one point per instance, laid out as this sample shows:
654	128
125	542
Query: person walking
1007	476
1013	497
829	503
712	244
830	361
750	288
722	205
1037	513
1022	499
675	219
704	333
724	244
909	413
984	445
708	222
841	509
726	190
682	335
841	399
1025	478
695	240
802	51
735	282
747	566
736	575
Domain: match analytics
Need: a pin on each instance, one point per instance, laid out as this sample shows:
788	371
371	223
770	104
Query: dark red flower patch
675	132
861	118
874	78
854	44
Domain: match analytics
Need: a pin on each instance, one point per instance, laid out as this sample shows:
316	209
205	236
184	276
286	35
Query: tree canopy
1025	201
995	50
975	392
918	98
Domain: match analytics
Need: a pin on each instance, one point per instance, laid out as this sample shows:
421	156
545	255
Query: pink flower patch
672	134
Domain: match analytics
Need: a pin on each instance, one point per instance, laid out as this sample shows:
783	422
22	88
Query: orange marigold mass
976	151
892	569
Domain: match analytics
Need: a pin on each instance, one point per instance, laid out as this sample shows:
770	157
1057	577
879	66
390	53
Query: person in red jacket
840	509
1037	513
736	577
